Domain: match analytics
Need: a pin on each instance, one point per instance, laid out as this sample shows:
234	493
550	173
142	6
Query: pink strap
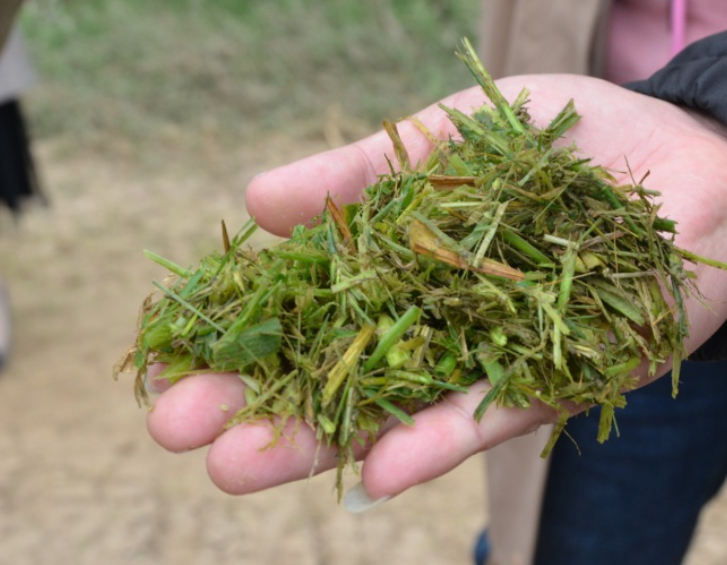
678	25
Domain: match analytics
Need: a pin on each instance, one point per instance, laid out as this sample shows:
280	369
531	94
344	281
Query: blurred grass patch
132	69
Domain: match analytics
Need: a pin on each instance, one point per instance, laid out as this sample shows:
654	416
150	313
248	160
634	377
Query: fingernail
149	387
357	500
260	174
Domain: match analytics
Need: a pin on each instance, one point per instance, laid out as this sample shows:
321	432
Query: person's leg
5	327
636	499
482	549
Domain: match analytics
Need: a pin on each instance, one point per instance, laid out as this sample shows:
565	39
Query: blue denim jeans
636	499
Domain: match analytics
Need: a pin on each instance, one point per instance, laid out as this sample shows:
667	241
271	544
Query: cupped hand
686	159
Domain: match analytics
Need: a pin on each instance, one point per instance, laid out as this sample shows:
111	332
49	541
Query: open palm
686	158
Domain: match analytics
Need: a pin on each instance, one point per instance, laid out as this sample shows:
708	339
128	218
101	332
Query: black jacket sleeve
696	78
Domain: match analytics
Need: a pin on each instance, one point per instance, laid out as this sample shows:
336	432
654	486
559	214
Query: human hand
685	158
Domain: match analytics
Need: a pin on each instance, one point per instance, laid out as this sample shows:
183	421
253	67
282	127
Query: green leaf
239	350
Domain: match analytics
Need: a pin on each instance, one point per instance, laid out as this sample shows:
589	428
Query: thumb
294	194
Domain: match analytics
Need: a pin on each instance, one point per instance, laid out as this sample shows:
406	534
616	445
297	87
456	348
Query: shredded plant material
504	255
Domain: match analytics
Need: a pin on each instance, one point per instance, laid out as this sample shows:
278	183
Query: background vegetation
239	68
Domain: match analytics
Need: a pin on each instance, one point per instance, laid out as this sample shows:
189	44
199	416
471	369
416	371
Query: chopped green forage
519	243
238	350
446	366
504	256
498	336
167	264
393	335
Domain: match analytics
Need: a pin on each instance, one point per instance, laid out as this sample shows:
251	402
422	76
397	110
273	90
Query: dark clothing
18	179
637	498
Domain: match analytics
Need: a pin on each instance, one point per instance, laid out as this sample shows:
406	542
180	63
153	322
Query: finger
244	460
194	411
248	458
291	195
443	437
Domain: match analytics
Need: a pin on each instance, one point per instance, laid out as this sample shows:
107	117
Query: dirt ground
81	482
